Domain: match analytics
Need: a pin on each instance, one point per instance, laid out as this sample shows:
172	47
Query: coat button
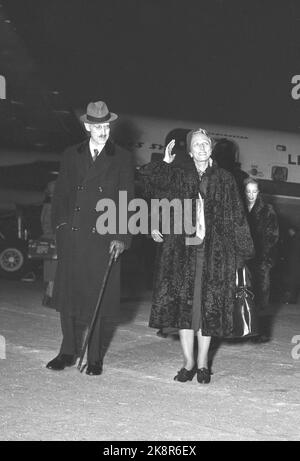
75	229
100	189
77	208
79	187
93	230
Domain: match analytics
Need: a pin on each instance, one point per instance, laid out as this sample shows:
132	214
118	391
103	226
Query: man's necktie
96	153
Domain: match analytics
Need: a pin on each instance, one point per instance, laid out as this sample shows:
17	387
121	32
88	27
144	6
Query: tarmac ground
253	394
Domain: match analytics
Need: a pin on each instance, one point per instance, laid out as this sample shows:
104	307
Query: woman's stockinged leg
203	348
187	345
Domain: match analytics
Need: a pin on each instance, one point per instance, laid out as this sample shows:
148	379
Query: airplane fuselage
272	157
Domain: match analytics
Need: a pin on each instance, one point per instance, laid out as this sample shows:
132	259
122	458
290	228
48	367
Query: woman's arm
161	179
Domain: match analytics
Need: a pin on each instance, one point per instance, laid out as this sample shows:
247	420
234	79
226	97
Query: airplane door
179	134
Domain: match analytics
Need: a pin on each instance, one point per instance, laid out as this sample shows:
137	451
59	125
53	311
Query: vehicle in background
16	228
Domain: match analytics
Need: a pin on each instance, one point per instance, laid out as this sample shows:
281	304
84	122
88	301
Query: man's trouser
73	337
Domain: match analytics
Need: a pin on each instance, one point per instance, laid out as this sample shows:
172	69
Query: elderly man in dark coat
195	277
94	170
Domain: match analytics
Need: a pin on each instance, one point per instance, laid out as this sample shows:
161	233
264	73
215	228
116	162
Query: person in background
225	153
195	273
48	233
264	229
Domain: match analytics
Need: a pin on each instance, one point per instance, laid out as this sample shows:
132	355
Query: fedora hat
97	112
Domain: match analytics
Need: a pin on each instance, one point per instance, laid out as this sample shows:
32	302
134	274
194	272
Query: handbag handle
244	277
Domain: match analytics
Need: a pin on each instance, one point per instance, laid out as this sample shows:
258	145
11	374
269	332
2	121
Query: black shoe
161	334
203	375
46	301
61	361
94	368
184	375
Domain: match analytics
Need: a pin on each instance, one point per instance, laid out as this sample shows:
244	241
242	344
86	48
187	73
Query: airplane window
281	147
279	173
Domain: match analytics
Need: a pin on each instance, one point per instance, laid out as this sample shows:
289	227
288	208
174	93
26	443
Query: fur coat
227	245
264	230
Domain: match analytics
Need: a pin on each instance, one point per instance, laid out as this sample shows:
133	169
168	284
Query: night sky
226	61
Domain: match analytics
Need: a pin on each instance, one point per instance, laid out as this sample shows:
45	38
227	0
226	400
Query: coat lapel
99	167
82	160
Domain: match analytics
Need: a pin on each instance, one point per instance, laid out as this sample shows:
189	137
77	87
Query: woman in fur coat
194	283
265	233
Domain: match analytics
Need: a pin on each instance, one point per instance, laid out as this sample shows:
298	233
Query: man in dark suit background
93	170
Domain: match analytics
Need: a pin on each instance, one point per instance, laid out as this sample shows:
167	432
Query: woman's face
200	149
251	193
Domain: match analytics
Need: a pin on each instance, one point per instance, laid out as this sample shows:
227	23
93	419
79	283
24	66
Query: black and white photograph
149	223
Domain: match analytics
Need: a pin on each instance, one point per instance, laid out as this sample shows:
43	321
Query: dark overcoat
265	233
264	230
227	245
83	253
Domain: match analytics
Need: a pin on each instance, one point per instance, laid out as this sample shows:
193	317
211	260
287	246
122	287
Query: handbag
245	321
43	248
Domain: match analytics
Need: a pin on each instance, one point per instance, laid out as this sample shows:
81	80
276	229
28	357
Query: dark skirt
197	313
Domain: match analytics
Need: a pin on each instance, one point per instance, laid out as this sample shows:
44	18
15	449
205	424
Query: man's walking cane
96	312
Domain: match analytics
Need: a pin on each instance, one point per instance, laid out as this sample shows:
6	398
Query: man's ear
87	126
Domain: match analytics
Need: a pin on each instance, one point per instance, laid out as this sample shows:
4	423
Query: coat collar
190	165
89	169
109	147
258	205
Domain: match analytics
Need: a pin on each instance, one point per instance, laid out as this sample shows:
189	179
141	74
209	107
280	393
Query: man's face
99	132
200	147
251	193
